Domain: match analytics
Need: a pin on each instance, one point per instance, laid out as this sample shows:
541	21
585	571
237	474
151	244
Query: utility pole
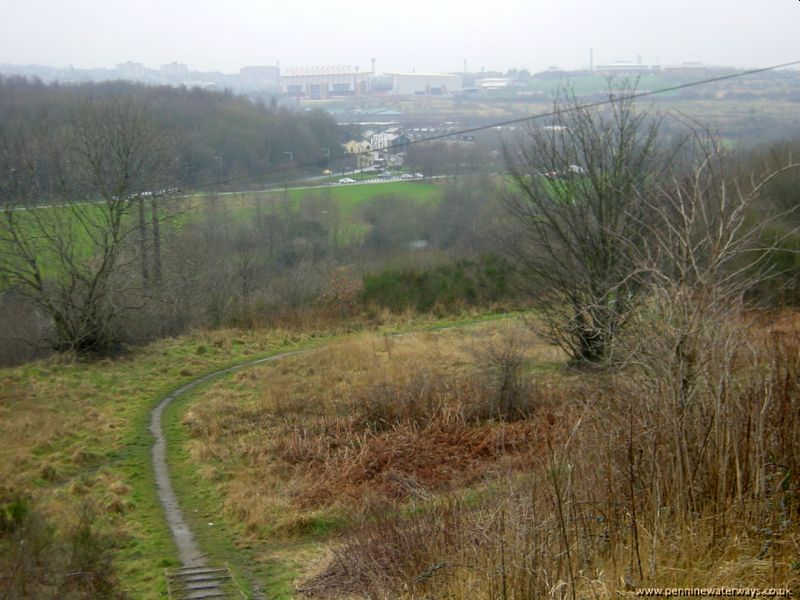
221	170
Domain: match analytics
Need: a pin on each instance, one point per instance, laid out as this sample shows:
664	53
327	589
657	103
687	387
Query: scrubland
474	463
76	489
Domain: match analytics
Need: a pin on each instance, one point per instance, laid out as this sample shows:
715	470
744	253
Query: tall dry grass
359	425
640	487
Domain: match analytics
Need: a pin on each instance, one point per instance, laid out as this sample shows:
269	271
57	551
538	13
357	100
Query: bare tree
72	257
705	249
581	184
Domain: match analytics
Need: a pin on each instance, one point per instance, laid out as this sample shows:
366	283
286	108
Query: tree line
216	136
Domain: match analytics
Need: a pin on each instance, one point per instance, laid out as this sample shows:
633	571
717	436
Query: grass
459	462
279	523
346	197
334	206
374	466
202	504
75	431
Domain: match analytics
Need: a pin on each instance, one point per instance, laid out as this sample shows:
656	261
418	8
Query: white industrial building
424	84
492	83
324	82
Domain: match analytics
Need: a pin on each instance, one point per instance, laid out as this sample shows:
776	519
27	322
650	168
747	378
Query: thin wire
552	113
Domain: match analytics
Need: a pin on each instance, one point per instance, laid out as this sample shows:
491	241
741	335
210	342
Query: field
461	462
344	198
75	437
336	208
408	446
76	433
252	446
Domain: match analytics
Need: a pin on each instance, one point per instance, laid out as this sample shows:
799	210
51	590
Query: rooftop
321	70
425	74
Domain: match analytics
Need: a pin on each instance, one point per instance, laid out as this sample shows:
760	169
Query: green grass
202	503
77	431
347	197
333	203
272	562
335	207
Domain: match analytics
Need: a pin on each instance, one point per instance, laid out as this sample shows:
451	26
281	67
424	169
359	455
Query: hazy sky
401	35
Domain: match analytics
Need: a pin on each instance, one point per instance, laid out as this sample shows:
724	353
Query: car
385	175
327	172
406	176
418	176
347	180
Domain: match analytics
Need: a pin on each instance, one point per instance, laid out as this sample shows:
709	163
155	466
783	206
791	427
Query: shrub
40	561
463	283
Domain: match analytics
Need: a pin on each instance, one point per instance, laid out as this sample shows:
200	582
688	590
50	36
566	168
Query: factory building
424	84
492	83
324	82
626	68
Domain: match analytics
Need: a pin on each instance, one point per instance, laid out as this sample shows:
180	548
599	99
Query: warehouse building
425	84
324	82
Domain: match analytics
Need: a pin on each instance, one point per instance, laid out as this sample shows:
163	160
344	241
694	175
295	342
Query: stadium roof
321	70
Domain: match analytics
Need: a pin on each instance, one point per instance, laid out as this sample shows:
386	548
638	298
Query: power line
515	121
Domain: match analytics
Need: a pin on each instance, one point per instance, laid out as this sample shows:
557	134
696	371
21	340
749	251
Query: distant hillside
219	135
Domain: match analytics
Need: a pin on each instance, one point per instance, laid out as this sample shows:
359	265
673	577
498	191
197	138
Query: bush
629	489
464	283
41	562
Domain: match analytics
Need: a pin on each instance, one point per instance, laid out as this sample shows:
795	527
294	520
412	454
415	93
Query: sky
402	36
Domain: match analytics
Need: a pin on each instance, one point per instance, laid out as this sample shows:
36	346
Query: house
362	151
392	137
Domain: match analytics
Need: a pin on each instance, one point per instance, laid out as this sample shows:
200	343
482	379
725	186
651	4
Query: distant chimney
591	59
373	66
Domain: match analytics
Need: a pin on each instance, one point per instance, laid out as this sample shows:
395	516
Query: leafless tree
72	258
581	186
705	249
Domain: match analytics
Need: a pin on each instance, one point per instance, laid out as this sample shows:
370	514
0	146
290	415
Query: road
372	181
270	189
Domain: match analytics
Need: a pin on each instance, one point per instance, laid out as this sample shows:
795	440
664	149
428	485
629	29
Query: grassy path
188	551
162	427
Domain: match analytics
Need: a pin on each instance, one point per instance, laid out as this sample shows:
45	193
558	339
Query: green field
335	207
76	433
347	196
